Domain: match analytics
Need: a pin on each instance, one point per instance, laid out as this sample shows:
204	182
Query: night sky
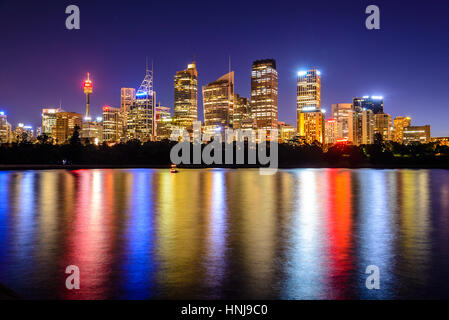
407	61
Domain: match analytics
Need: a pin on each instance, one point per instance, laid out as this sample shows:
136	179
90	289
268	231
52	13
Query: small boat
173	169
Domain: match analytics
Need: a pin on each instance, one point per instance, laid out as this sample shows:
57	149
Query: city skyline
390	71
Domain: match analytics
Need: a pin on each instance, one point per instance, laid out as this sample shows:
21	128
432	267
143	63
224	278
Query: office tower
112	124
241	116
186	97
416	134
218	102
65	125
309	91
331	131
311	126
127	97
286	132
5	128
88	89
373	103
382	125
49	120
164	123
264	94
340	113
399	123
140	118
308	106
361	126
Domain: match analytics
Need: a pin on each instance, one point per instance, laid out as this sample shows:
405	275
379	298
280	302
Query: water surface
216	234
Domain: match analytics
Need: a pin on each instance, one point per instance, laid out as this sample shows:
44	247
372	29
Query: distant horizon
49	63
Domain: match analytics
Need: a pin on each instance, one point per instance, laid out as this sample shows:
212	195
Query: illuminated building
331	131
5	128
127	97
399	123
340	112
164	122
309	114
264	94
311	126
308	91
49	120
416	134
140	118
23	133
442	141
112	124
242	118
92	132
361	127
286	132
88	89
186	97
373	103
218	101
65	125
382	125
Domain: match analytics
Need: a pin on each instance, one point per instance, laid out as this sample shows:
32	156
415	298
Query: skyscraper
241	116
361	126
218	102
127	97
331	131
164	122
186	97
373	103
140	118
49	120
340	112
382	125
264	94
65	125
399	123
5	128
309	114
112	124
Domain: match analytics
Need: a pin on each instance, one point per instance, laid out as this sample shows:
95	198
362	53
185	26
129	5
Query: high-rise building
311	126
416	134
309	91
23	133
49	120
361	126
127	97
373	103
399	123
264	94
88	89
218	102
331	131
112	124
241	116
340	112
5	128
186	97
65	125
164	122
141	117
382	125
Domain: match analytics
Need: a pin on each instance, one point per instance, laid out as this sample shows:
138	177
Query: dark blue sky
407	61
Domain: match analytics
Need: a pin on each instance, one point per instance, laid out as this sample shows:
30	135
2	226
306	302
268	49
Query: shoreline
18	167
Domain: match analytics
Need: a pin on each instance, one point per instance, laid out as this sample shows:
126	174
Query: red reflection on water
339	224
88	240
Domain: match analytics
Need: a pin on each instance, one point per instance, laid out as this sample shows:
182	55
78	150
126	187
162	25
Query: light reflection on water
211	234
